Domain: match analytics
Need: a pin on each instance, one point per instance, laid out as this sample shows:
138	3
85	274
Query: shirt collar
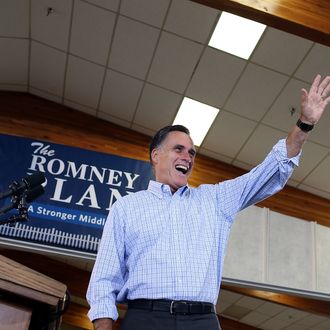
161	190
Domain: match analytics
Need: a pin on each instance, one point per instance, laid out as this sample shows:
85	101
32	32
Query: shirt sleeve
108	273
261	182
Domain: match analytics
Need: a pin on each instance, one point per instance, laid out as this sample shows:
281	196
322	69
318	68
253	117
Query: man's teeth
182	168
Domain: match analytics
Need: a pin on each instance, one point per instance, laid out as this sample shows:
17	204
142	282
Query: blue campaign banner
80	188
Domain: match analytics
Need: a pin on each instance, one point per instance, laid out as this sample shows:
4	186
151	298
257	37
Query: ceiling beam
309	19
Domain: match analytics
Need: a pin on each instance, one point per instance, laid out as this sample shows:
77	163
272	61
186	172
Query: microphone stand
22	211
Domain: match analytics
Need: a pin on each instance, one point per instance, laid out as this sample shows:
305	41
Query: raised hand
315	101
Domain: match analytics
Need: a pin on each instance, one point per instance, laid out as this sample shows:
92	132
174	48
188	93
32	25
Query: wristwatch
304	127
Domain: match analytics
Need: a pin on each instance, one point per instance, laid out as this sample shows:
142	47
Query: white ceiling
131	62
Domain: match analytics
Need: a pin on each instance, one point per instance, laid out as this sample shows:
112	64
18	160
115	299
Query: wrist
305	120
103	324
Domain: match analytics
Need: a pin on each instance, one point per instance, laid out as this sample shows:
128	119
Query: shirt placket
176	220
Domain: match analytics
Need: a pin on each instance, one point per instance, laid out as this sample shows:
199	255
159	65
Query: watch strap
304	126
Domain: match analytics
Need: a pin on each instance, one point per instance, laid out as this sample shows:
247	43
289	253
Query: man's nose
187	156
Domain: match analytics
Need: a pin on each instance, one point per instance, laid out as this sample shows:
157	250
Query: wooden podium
28	299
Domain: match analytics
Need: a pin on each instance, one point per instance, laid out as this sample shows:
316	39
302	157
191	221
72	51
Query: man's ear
155	156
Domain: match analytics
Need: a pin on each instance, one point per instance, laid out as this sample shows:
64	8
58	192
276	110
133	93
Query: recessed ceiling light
197	117
236	35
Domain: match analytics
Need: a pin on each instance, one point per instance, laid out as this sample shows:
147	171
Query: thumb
304	95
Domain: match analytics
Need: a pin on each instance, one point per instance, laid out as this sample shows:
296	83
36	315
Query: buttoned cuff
281	153
101	310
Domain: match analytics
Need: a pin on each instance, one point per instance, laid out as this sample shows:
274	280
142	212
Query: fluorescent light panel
236	35
197	117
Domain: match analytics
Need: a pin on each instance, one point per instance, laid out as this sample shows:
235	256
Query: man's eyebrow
191	150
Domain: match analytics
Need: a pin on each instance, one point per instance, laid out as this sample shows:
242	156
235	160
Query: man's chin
181	183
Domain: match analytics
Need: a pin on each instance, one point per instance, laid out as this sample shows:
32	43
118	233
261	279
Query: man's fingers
315	84
324	86
304	94
327	100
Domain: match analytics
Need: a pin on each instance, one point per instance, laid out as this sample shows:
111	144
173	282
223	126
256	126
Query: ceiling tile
236	312
242	165
14	18
221	307
249	302
285	318
292	183
215	77
191	20
312	154
321	132
228	134
215	155
120	95
274	324
174	62
281	51
263	137
108	4
311	320
228	297
47	75
317	61
45	95
133	47
80	107
149	11
52	29
91	32
83	82
14	61
320	177
322	326
255	91
270	309
314	191
157	107
112	119
254	318
291	314
280	115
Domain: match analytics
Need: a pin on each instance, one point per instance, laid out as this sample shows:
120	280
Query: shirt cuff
100	311
281	153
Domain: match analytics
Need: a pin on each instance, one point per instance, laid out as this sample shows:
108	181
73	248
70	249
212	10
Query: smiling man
162	249
172	159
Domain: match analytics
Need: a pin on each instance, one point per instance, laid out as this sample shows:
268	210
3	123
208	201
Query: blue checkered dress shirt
156	244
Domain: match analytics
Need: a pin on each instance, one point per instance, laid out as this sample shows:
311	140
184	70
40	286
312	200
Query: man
162	249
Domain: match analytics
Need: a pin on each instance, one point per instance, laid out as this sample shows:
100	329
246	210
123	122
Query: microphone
27	197
29	182
34	193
